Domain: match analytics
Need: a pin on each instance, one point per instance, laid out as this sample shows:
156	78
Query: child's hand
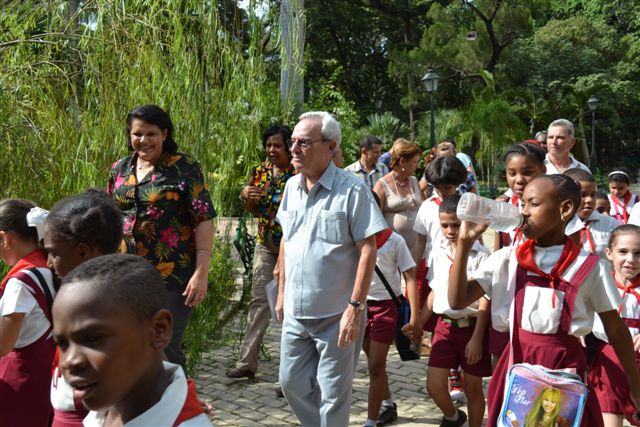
470	231
636	343
473	351
411	331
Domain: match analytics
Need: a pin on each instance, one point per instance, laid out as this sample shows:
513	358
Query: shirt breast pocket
289	224
539	314
332	226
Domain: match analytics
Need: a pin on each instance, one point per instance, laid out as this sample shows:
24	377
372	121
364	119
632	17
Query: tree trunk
292	28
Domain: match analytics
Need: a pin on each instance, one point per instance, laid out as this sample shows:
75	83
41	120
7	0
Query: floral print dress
161	212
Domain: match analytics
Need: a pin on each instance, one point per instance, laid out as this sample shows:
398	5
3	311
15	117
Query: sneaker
388	414
462	419
455	386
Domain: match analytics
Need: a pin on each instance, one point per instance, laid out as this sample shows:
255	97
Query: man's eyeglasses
303	143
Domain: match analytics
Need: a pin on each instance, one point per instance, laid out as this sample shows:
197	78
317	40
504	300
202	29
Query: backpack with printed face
538	396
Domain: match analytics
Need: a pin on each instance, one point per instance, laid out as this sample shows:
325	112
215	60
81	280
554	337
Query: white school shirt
551	169
163	413
427	223
617	210
634	216
17	298
439	279
497	275
630	310
600	226
393	257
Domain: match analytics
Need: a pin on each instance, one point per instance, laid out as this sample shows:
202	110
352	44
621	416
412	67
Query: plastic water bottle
500	216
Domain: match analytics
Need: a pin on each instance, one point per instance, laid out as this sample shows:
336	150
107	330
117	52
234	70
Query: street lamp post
430	85
593	158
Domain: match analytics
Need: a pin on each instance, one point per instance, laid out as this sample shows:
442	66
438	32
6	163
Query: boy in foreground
112	324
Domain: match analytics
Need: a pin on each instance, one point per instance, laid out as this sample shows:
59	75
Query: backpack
530	387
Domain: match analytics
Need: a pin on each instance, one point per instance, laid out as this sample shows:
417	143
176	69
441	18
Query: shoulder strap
44	285
585	269
388	286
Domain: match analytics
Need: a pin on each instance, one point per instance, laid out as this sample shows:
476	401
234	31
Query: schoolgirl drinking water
26	345
549	289
77	229
606	374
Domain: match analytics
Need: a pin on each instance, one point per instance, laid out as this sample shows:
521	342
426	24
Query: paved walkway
254	403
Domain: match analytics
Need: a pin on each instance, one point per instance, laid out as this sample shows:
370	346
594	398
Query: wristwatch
357	305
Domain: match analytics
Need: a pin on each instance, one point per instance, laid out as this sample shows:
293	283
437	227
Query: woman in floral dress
167	213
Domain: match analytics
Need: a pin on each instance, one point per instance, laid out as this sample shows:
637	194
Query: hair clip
36	218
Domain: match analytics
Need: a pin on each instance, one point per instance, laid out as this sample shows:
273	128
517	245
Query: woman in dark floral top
167	213
261	196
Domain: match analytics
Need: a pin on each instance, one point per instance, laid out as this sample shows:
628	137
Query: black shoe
462	418
387	414
240	373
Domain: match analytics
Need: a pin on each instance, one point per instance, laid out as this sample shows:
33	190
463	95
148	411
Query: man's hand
349	326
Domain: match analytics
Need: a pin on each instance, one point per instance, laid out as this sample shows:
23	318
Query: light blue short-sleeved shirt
320	231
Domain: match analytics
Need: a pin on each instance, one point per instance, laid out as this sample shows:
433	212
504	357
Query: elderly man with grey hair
560	141
327	256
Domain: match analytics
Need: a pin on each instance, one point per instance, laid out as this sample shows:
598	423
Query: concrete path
254	402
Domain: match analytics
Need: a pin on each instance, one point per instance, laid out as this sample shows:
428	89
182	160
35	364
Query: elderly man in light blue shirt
327	256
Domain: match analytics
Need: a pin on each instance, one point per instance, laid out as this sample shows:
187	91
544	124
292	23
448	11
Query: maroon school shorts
448	346
382	317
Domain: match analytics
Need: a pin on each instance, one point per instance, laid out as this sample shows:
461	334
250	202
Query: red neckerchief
451	266
526	259
33	259
382	237
623	206
437	200
515	200
192	406
585	235
635	282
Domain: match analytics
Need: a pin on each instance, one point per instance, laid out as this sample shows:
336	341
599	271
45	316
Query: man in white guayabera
327	256
560	141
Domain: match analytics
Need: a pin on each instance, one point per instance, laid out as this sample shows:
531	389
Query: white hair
331	130
563	123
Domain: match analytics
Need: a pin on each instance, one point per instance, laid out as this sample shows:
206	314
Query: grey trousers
259	314
181	315
316	376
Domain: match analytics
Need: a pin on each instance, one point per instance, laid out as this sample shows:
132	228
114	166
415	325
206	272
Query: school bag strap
41	293
386	284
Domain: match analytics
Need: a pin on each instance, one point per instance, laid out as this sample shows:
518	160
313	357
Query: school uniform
634	216
382	314
606	375
547	321
621	208
25	372
178	407
594	235
427	223
455	328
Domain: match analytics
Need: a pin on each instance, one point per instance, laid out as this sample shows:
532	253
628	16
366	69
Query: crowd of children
535	299
84	345
109	336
